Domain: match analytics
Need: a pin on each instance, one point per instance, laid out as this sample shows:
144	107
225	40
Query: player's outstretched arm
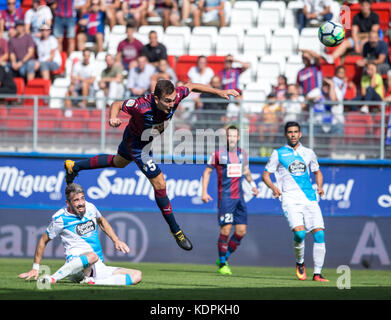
198	87
268	181
115	108
34	272
205	182
106	227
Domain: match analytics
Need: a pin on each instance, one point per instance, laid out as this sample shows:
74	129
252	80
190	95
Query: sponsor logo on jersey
297	167
130	103
83	228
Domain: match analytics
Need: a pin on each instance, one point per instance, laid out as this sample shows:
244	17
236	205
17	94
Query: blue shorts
60	24
133	149
232	211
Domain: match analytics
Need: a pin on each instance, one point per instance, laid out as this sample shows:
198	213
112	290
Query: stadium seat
183	65
290	20
357	127
242	17
118	29
201	44
75	126
253	95
143	38
351	92
235	30
284	42
19	121
292	67
39	87
101	56
271	13
3	117
216	63
172	61
294	5
208	30
58	91
175	44
247	76
377	125
114	41
309	40
61	70
352	71
48	121
257	42
229	41
182	30
146	29
269	68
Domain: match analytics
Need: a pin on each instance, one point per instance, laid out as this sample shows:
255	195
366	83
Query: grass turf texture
164	281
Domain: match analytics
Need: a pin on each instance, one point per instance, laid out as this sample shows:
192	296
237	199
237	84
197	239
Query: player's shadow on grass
138	293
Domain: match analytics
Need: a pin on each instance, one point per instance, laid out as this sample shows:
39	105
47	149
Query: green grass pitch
164	281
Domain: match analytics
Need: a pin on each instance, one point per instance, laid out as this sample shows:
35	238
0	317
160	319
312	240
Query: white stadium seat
118	29
227	44
242	17
253	95
269	68
201	44
257	41
175	44
207	30
184	30
284	42
309	40
58	89
292	67
146	29
235	30
247	76
143	38
114	41
294	5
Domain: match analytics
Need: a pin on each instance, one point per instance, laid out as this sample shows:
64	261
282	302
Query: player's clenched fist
115	122
28	275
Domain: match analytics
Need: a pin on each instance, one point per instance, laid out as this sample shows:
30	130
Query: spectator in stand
163	72
154	50
190	7
111	9
376	51
281	88
294	106
128	49
110	83
4	52
270	119
7	83
22	50
4	5
387	95
92	27
363	23
52	4
167	10
340	82
201	73
36	17
212	11
49	56
135	10
314	12
65	20
213	119
139	78
310	77
82	80
8	18
372	87
229	75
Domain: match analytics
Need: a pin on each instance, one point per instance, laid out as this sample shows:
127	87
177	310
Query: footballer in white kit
292	165
77	225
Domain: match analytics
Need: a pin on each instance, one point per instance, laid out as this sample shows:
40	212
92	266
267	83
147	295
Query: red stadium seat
172	62
62	67
216	63
48	120
20	121
76	125
38	87
351	92
357	126
328	70
3	117
377	125
183	65
353	72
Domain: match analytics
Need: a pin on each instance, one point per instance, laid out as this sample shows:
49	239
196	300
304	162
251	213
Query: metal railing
359	136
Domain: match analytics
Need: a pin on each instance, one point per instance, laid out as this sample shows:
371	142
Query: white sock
319	253
74	266
115	280
299	251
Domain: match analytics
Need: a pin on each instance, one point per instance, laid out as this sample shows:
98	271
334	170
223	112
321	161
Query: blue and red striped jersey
65	9
96	22
145	114
230	78
10	19
309	78
229	167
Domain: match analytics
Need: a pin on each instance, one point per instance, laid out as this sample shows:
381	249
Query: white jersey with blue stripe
78	235
292	170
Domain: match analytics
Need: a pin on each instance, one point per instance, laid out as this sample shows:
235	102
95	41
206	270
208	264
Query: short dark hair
232	127
72	188
339	68
163	87
291	124
130	26
362	1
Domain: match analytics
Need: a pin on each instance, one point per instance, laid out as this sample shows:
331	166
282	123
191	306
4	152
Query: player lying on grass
231	165
291	164
76	224
149	116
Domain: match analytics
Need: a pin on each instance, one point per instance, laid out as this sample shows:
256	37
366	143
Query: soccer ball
331	33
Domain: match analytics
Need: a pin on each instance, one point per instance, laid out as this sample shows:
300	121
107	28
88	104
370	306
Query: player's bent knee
299	235
92	257
319	236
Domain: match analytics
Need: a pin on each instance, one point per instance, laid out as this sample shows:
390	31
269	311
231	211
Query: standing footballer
231	165
149	116
291	165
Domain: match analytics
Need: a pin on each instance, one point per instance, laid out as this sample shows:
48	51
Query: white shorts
307	214
210	16
98	271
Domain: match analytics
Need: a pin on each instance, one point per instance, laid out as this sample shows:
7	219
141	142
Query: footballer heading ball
331	33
